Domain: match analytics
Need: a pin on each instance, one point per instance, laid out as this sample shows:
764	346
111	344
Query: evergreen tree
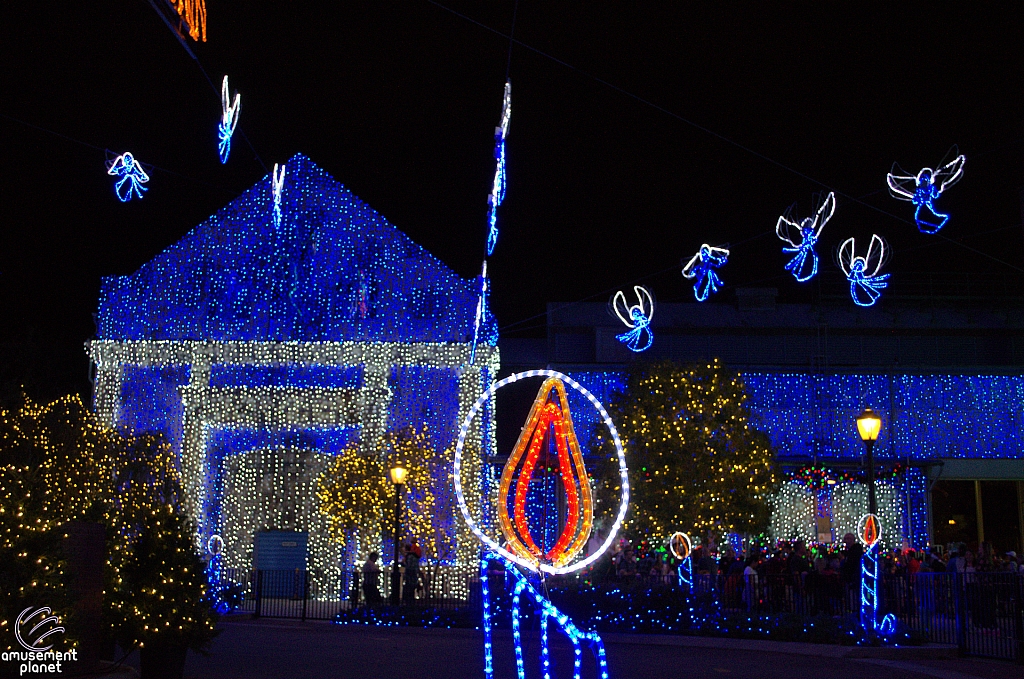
166	599
696	464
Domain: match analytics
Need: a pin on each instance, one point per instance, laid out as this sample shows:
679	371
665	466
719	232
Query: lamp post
398	475
868	426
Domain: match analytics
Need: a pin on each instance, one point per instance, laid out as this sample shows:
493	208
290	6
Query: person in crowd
371	579
412	575
414	545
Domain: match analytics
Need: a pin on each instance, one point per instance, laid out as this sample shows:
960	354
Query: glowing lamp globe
868	425
398	475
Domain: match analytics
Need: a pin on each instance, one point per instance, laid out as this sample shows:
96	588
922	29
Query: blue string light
486	596
637	318
131	177
869	589
802	237
547	612
498	186
228	120
923	189
701	268
866	284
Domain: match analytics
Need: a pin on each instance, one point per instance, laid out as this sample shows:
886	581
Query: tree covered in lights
165	597
356	493
696	463
58	465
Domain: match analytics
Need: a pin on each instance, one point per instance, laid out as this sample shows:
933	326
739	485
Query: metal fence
297	594
981	613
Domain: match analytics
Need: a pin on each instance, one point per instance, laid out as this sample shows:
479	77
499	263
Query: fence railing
981	613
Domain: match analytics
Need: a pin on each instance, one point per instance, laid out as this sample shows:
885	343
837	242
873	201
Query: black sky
398	100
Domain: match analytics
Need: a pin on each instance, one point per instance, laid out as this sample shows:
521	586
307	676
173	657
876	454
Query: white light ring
685	539
494	546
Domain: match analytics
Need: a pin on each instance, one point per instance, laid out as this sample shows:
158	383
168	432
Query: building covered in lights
265	342
944	370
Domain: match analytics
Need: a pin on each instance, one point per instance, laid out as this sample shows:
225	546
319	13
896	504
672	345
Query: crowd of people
797	559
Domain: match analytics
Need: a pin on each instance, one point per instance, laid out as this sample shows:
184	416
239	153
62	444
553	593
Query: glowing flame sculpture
193	13
549	423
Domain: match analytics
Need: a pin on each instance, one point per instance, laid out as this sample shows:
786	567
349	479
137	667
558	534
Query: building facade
283	329
946	373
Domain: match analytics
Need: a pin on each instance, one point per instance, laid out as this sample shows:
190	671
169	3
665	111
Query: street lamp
398	475
868	425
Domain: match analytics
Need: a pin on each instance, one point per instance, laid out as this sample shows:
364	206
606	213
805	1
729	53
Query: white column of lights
793	514
283	482
206	408
850	503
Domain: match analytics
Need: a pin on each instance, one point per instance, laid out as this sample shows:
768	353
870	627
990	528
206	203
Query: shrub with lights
165	597
696	461
58	465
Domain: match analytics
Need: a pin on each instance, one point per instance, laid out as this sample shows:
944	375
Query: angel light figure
866	284
923	189
132	177
276	187
637	318
802	237
228	120
498	186
702	268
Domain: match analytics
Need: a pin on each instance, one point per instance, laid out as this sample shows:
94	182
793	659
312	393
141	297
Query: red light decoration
549	419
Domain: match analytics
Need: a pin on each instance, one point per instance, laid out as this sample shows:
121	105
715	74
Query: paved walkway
279	649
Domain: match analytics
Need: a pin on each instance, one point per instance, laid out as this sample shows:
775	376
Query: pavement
286	649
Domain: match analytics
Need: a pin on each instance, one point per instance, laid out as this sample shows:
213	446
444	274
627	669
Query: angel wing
785	228
621	308
117	166
901	186
846	255
230	109
825	212
718	256
876	256
690	270
646	301
950	173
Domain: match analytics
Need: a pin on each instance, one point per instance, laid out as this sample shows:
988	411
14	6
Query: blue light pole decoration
802	236
228	120
701	269
866	284
519	561
131	177
637	318
498	185
680	546
923	189
869	530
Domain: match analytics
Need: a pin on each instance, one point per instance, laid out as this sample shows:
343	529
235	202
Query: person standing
371	579
412	574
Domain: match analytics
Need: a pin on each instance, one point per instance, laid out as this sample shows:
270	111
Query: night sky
637	134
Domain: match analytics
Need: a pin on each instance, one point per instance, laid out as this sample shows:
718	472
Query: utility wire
233	192
206	75
702	128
